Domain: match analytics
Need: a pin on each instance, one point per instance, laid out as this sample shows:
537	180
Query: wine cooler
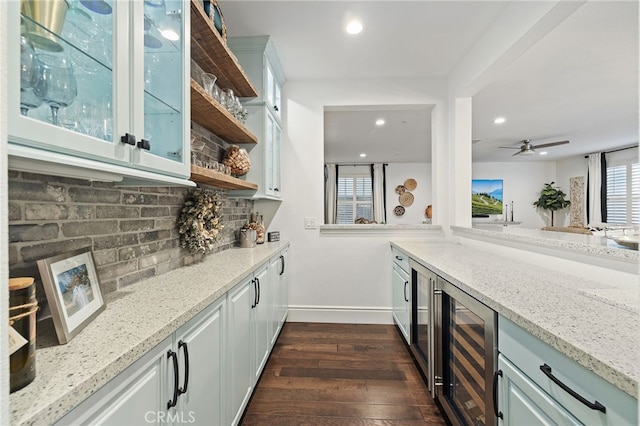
465	339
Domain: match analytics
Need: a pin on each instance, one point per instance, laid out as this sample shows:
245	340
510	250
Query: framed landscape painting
486	196
71	284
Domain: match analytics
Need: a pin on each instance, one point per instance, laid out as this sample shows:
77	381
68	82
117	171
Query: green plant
551	199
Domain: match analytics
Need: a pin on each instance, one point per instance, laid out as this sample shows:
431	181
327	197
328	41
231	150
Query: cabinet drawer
400	258
529	353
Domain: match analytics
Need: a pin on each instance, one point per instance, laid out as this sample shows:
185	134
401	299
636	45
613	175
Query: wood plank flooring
341	374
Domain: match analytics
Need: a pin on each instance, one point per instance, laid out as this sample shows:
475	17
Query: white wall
336	271
522	184
397	174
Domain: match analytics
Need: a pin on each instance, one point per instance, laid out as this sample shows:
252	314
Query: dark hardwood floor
341	374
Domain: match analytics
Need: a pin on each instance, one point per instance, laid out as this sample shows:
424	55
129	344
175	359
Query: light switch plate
310	223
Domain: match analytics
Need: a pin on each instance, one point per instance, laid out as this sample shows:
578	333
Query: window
355	198
623	193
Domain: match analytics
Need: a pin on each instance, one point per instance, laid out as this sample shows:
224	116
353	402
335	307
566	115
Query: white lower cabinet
201	361
524	403
539	385
401	293
179	381
240	374
205	372
279	294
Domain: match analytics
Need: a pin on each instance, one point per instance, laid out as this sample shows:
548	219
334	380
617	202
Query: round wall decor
400	189
410	184
399	210
406	199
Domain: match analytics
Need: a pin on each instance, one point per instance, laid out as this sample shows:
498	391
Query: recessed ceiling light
499	120
354	27
379	122
544	153
363	155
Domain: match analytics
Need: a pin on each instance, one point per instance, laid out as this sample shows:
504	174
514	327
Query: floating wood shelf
212	54
207	112
219	180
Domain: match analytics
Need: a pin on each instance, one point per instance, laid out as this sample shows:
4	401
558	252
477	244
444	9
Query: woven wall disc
399	210
406	199
410	184
400	189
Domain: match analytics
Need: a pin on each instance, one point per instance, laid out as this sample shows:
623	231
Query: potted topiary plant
551	199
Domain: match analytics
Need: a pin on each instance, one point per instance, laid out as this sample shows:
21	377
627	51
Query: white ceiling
578	83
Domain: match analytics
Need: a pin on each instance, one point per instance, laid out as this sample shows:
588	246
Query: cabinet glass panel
66	64
466	363
163	76
269	153
276	158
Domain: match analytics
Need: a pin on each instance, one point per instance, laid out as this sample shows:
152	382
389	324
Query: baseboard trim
340	314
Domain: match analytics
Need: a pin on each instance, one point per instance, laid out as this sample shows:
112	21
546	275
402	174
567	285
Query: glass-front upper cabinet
101	80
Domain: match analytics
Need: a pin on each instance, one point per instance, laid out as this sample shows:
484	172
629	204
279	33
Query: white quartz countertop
135	320
595	324
594	245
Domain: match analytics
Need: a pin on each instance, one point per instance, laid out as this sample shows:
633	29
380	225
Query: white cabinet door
401	300
279	293
202	385
261	321
138	396
110	69
522	402
240	302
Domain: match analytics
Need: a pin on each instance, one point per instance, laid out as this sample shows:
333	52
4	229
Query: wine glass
55	83
28	99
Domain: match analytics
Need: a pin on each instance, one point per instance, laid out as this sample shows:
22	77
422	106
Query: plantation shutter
623	193
355	199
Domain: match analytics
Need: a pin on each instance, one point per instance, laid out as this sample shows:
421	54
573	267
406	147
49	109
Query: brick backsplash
131	231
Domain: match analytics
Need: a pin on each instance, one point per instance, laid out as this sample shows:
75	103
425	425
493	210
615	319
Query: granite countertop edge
53	394
546	239
619	370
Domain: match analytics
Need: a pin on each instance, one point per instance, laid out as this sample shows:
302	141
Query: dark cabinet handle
496	374
276	107
255	294
184	347
276	189
405	291
258	281
593	405
128	138
282	260
399	258
144	144
174	401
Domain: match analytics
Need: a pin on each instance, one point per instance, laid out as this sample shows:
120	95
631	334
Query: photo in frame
486	196
73	291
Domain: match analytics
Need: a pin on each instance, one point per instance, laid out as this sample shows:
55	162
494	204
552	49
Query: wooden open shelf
207	112
219	180
212	54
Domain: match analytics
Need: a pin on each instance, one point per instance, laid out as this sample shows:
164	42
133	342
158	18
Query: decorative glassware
28	60
55	83
208	82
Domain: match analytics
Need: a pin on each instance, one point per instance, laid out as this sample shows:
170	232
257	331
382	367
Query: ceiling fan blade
545	145
510	147
516	153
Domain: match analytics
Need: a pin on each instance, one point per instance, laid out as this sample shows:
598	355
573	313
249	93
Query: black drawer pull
282	260
174	401
128	139
496	374
144	144
399	258
184	347
593	405
405	291
255	293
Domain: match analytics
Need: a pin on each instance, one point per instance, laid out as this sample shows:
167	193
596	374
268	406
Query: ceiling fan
527	149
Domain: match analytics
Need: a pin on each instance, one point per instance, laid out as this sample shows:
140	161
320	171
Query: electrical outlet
310	223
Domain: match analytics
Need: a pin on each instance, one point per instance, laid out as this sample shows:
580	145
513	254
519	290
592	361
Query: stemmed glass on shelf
55	82
28	99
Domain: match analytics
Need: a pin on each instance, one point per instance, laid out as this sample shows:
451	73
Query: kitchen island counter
592	323
135	320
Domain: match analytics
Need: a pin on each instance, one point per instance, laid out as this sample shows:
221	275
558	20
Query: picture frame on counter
73	291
